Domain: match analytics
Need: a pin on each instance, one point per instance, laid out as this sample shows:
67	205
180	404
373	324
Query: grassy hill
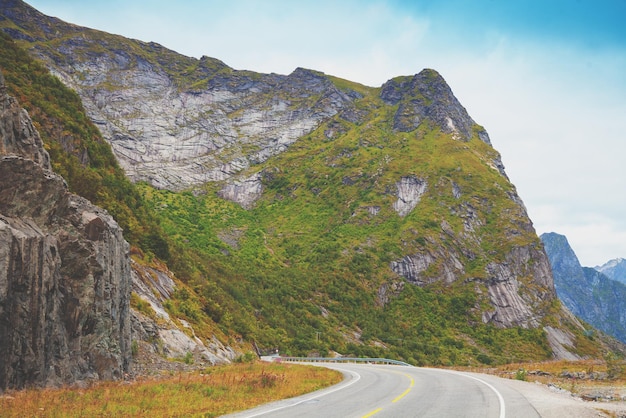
312	263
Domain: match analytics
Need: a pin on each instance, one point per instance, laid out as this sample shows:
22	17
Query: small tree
614	365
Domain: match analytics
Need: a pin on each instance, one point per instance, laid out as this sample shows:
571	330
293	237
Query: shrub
248	357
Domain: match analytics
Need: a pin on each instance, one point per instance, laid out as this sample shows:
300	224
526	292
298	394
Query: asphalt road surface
398	391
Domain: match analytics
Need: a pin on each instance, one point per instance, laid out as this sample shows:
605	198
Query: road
397	391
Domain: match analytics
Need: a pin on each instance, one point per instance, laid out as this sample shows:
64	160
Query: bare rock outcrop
412	267
170	337
17	133
515	304
519	288
410	190
245	191
64	271
427	95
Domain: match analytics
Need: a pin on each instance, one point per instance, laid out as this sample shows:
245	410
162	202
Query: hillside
305	212
588	293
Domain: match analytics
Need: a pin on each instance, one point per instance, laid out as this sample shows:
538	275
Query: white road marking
355	378
493	389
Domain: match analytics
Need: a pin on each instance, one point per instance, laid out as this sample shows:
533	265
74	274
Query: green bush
248	357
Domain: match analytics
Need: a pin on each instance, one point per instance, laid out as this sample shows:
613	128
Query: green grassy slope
310	260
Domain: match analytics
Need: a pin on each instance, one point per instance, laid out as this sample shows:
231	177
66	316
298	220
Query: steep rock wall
64	271
175	137
175	121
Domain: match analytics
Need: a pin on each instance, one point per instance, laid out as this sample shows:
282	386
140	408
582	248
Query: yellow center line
403	394
375	411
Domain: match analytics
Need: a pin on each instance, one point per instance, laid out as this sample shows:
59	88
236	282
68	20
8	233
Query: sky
546	78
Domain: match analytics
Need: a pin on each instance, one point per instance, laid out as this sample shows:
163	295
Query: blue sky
547	79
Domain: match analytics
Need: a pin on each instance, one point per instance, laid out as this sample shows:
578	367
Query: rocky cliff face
163	335
175	137
175	121
64	271
588	293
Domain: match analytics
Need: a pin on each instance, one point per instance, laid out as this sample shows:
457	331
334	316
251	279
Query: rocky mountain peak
587	292
614	269
427	96
305	73
213	63
561	254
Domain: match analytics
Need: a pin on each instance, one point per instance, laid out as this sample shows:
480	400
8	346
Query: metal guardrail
338	360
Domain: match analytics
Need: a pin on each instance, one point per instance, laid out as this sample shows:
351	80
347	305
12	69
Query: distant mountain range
590	293
614	269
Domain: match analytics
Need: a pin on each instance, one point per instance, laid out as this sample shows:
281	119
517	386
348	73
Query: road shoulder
552	402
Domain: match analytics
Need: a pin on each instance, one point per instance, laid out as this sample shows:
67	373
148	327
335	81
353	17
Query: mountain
614	269
303	212
588	293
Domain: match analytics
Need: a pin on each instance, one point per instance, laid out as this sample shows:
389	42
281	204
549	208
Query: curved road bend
396	391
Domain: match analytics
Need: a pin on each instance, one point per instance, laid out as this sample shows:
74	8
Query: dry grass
216	391
582	378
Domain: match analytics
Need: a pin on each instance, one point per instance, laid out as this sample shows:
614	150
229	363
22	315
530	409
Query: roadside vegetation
591	379
220	390
212	392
